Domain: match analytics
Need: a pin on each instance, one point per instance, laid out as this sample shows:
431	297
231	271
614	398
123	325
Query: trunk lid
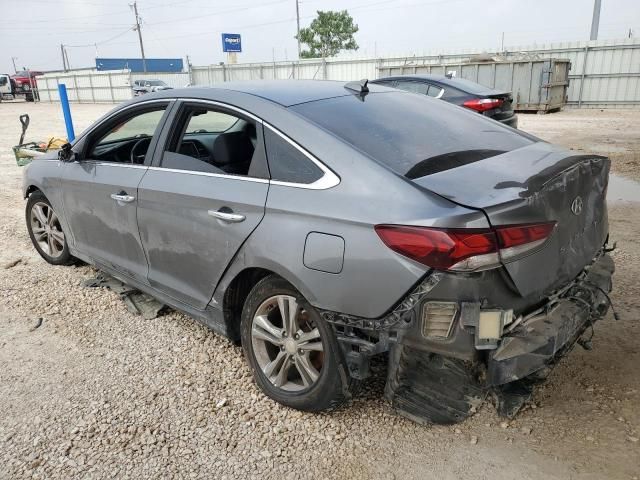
534	184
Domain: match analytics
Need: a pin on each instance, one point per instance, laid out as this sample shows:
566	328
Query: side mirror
66	154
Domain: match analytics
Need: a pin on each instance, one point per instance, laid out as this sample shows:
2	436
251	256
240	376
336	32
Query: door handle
122	197
227	216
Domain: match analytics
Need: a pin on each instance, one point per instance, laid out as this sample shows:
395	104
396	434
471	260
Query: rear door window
213	140
408	133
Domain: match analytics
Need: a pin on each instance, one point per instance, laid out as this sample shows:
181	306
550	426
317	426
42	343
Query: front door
202	200
99	190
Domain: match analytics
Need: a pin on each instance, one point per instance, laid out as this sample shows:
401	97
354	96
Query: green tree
329	33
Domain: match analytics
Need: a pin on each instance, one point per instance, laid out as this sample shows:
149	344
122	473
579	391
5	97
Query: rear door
202	198
99	191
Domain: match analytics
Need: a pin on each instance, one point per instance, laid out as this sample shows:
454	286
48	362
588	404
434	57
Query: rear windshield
413	135
469	86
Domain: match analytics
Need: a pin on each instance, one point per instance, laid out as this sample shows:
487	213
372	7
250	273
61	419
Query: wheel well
30	190
236	294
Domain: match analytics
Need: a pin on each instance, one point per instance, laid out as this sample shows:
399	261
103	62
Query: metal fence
90	86
604	73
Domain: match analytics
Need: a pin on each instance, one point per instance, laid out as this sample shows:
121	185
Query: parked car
320	224
6	86
491	103
26	84
140	87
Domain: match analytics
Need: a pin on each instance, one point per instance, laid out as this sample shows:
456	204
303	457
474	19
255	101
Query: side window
128	139
209	140
413	87
287	163
435	91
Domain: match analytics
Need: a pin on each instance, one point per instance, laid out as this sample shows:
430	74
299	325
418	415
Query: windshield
156	83
413	134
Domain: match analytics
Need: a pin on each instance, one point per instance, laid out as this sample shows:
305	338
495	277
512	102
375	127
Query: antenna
360	87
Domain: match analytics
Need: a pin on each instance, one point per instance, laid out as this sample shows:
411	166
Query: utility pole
137	27
595	21
64	60
13	59
298	23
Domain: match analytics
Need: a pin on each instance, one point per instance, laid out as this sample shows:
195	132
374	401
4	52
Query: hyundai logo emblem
576	205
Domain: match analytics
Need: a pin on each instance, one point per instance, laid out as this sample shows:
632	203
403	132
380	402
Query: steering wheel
138	158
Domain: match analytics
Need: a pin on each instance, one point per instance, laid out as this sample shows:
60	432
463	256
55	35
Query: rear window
470	87
414	136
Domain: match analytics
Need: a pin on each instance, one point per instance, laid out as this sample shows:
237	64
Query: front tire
292	351
46	232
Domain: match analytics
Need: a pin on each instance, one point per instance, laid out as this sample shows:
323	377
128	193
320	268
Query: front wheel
294	355
46	232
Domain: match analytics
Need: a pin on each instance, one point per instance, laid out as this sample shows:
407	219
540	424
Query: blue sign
231	42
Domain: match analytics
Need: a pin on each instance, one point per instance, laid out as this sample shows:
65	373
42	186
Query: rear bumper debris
541	340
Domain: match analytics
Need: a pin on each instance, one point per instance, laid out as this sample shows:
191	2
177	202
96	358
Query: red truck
25	84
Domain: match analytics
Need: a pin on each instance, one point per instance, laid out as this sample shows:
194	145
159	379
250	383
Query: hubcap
46	229
286	343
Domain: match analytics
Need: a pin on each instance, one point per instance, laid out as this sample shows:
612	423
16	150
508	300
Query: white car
140	87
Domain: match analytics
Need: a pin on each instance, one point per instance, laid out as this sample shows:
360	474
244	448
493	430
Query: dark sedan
491	103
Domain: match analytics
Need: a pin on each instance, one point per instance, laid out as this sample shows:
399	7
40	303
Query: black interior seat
232	152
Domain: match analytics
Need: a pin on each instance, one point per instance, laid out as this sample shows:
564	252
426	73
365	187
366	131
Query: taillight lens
483	104
463	250
517	239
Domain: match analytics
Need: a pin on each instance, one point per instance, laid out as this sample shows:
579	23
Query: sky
32	30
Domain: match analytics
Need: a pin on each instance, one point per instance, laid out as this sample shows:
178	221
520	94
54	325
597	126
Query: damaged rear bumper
548	334
440	373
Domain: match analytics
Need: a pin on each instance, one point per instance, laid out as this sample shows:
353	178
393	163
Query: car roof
283	92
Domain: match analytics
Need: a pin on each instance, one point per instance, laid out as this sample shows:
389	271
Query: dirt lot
96	392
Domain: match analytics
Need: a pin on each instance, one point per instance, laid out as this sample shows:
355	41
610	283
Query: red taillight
517	239
483	104
438	248
521	234
463	249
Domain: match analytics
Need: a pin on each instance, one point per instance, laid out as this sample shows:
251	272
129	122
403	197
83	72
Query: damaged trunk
537	184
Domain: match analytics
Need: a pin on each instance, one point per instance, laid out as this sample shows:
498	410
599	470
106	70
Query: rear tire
295	359
46	232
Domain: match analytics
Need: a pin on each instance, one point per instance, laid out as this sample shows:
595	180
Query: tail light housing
483	104
464	250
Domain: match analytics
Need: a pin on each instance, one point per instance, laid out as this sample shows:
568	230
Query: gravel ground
95	392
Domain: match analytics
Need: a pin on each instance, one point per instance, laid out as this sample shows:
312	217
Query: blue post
64	101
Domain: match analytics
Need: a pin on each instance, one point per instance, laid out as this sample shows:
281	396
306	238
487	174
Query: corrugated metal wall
604	73
136	64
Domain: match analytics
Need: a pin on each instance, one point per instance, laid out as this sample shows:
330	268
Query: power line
232	10
63	19
101	42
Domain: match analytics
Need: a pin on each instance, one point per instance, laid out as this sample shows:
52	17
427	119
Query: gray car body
321	237
295	210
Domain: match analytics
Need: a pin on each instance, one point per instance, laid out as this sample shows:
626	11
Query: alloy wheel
288	347
46	229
